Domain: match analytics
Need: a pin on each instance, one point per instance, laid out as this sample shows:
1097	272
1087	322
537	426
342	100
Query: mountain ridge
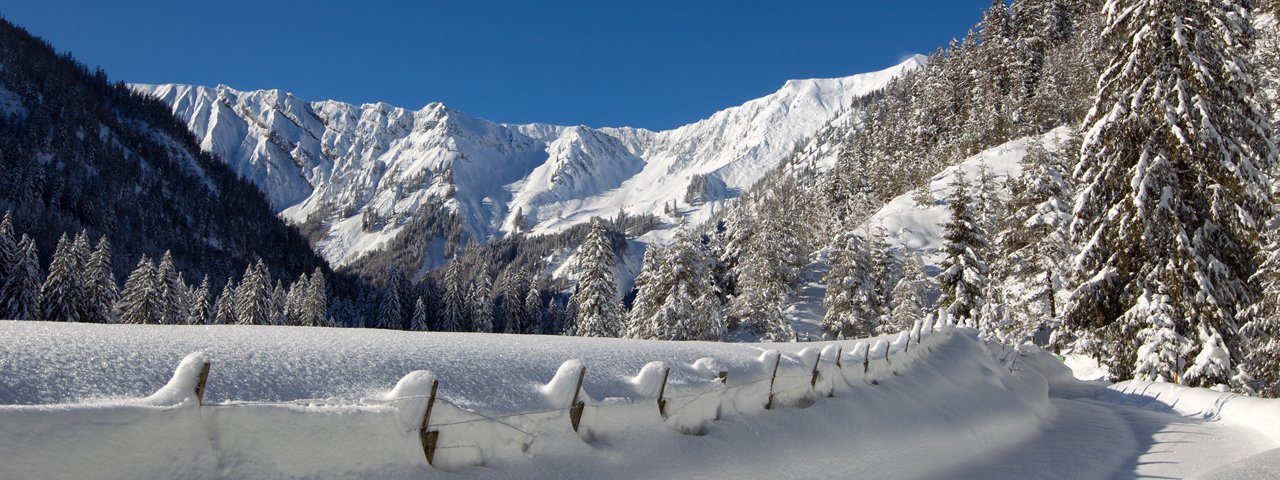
363	172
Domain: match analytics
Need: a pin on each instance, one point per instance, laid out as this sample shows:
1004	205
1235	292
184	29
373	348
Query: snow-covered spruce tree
199	307
649	297
534	310
677	300
454	316
315	306
100	287
276	300
295	300
171	289
1031	250
1163	350
480	302
515	315
1171	174
853	303
61	296
1259	370
22	291
418	322
8	254
391	311
599	312
253	296
139	302
908	296
224	309
964	270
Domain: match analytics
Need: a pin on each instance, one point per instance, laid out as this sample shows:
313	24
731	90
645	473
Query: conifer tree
140	301
171	289
295	300
418	322
964	271
599	312
8	256
1259	370
100	287
60	296
515	315
480	303
224	309
454	317
199	308
908	304
391	311
253	296
534	309
22	291
1172	182
315	308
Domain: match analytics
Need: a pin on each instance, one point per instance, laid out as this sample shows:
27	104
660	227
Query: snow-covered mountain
360	173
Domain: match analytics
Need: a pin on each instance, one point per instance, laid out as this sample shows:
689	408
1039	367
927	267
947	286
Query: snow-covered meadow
104	401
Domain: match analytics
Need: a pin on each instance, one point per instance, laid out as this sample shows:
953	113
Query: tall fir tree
454	316
8	256
199	309
1172	181
140	301
535	311
418	322
480	303
224	309
964	270
315	307
171	291
22	291
908	296
60	296
100	287
600	313
253	296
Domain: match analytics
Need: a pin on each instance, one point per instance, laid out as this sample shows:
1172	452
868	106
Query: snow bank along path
294	403
117	401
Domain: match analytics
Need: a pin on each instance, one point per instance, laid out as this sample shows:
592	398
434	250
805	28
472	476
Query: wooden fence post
662	392
576	408
724	380
769	405
200	383
429	438
839	368
813	382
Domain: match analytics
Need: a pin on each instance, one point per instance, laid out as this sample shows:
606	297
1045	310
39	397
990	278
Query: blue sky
652	64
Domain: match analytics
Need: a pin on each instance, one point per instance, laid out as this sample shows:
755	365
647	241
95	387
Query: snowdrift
115	401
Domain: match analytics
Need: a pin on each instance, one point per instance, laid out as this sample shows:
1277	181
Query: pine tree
599	312
224	309
649	297
515	315
533	308
140	301
1031	251
171	289
964	271
908	296
199	309
253	296
315	308
391	311
418	322
454	317
8	257
1172	179
100	287
277	297
295	301
22	291
1259	371
60	296
480	302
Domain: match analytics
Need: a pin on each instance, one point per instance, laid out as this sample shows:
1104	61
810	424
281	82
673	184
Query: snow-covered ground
103	401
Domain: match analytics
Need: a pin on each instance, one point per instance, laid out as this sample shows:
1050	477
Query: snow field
110	433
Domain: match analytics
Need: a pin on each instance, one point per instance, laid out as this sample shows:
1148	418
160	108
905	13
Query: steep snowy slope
363	172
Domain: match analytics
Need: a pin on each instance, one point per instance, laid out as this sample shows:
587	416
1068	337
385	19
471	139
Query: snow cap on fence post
186	385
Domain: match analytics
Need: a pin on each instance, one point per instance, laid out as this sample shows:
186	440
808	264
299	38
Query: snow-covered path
1107	434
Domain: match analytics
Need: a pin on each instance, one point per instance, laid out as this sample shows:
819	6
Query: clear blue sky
654	63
